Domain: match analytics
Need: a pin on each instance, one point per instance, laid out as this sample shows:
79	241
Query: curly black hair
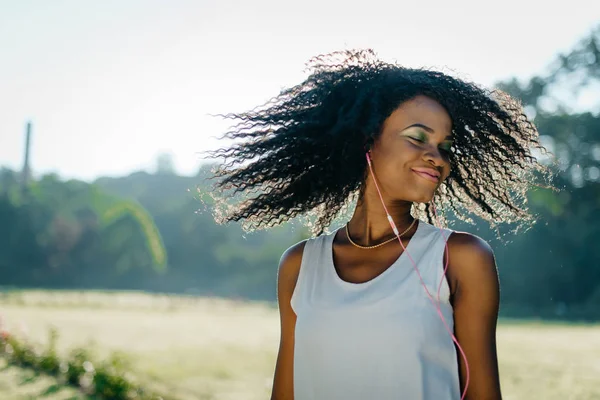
303	152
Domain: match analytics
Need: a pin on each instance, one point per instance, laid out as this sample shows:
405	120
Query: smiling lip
429	174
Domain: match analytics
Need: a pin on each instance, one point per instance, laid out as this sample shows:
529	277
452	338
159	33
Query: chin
419	196
424	199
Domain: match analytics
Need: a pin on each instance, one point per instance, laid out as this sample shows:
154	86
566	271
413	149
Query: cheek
398	174
447	170
396	160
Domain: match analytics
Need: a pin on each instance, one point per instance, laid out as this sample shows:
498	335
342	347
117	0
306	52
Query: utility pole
26	173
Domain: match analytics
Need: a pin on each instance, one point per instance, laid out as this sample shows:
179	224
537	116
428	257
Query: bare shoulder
476	302
471	261
467	244
289	265
289	268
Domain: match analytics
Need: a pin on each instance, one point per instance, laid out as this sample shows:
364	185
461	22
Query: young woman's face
410	157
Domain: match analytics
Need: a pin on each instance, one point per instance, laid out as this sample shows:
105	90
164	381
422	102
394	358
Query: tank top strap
311	272
433	262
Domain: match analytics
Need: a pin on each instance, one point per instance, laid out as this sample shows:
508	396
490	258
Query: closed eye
446	151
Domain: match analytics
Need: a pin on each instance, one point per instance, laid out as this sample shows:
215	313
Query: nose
434	156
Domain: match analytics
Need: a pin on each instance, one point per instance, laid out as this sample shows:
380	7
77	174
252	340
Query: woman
387	306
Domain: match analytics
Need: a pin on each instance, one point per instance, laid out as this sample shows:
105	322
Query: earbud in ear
368	143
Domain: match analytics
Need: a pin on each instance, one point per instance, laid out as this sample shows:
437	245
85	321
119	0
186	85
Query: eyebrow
428	129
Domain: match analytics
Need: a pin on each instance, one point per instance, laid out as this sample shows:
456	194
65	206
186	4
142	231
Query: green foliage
204	258
48	359
106	380
554	269
56	233
74	367
142	220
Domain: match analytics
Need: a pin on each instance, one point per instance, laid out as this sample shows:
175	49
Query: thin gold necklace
380	244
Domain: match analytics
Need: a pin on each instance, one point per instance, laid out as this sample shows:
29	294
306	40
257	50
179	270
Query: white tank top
381	339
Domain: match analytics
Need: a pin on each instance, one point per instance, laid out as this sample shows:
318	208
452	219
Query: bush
108	380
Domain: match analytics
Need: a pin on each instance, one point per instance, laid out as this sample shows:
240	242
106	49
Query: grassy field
218	349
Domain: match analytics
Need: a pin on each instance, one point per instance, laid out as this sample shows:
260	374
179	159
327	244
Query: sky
109	85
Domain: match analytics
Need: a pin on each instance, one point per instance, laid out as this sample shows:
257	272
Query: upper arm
476	301
289	268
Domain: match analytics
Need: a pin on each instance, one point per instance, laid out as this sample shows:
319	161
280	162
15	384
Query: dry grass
218	349
543	361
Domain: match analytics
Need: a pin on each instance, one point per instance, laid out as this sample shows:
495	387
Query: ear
368	143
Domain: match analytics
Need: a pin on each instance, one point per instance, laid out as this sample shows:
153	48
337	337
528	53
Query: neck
369	223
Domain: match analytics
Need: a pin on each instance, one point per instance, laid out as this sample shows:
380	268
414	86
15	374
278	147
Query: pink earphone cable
436	305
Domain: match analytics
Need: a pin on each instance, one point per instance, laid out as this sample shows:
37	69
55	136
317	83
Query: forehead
423	110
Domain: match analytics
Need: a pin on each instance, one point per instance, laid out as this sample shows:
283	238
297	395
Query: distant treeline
142	231
137	232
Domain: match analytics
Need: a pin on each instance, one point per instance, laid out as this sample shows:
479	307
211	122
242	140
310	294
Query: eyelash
446	151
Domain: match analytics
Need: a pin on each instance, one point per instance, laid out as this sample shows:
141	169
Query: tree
557	264
165	164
